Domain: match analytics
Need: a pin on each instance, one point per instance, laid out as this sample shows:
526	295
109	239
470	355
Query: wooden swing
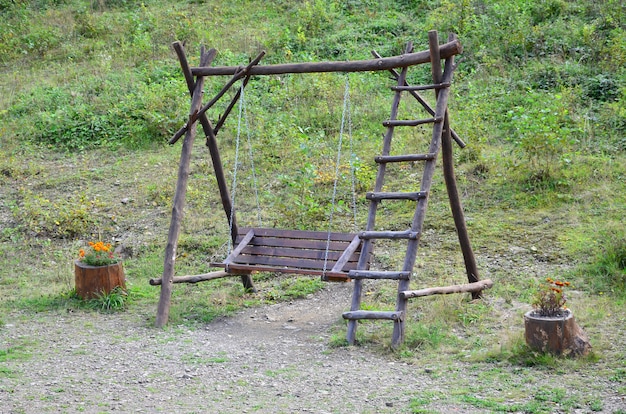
331	255
319	253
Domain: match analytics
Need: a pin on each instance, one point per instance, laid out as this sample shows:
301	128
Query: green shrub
602	87
115	300
70	217
542	130
607	271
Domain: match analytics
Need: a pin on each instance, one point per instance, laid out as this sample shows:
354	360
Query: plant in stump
550	299
551	327
98	254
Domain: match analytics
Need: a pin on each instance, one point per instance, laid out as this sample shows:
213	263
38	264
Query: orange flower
559	283
98	254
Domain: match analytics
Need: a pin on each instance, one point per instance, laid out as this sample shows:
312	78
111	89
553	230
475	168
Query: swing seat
294	252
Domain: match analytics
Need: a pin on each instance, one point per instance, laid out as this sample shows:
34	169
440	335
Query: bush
607	271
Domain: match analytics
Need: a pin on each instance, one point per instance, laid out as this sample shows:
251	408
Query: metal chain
346	107
233	190
251	156
243	113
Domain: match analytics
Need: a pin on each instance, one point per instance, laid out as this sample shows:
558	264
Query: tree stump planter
97	280
558	335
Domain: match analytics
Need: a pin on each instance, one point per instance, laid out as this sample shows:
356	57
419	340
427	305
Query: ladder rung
381	159
416	122
421	87
373	274
362	314
396	196
407	234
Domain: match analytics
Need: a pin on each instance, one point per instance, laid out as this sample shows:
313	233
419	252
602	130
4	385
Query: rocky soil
272	359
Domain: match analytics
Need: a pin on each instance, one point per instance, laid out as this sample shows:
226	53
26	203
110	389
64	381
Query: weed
596	405
64	217
420	336
17	349
115	300
607	270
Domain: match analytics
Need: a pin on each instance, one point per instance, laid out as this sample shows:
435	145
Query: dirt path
273	359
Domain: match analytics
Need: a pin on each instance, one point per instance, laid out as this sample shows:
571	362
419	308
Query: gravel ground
272	359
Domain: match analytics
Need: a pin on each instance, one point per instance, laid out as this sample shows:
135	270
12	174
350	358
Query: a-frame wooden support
197	112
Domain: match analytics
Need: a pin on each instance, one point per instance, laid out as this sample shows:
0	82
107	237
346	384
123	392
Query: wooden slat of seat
332	276
293	252
298	243
299	234
295	262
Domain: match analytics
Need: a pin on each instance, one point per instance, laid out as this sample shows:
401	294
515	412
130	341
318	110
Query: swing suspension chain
352	164
242	114
345	117
233	191
251	156
345	114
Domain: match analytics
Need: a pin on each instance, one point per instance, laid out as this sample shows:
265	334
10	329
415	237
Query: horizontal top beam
446	50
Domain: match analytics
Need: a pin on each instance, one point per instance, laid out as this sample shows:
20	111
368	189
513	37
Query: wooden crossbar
294	252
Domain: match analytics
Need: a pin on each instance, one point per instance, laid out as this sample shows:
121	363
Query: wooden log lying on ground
469	287
194	278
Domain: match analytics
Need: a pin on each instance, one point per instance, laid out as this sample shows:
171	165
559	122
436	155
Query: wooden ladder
441	86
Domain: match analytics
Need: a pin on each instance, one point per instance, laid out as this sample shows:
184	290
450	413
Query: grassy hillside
90	92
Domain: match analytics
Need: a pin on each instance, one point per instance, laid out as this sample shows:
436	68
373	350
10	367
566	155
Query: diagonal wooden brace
238	75
421	100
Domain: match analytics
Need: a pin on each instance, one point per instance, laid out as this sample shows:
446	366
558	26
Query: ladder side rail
373	207
427	177
429	171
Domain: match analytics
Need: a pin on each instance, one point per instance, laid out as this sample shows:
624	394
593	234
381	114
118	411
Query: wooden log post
455	203
179	201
